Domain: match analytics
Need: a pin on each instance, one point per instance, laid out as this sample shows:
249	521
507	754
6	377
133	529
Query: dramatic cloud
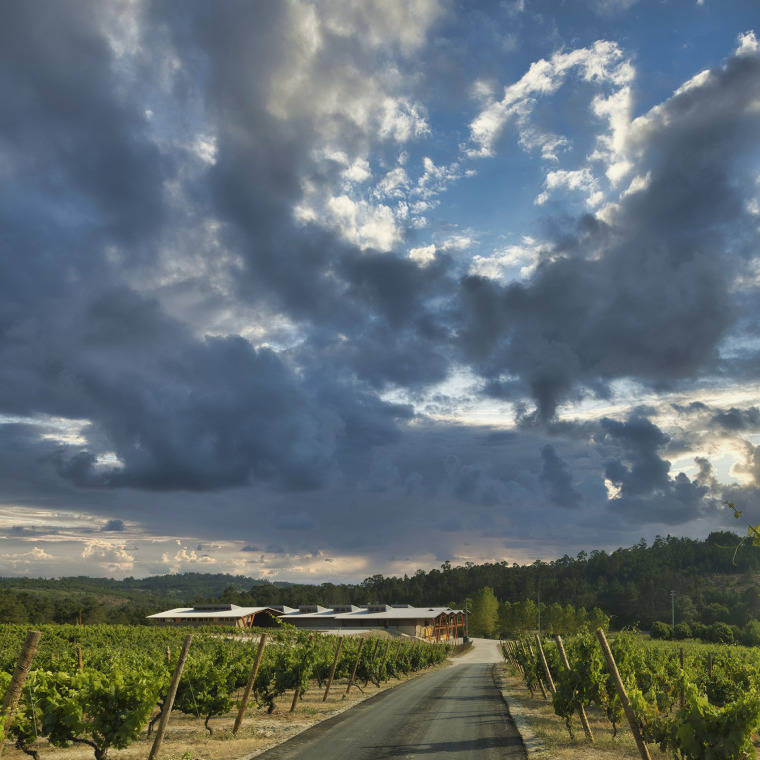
643	289
335	277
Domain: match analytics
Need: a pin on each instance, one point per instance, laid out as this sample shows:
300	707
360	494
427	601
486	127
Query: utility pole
538	607
466	619
672	608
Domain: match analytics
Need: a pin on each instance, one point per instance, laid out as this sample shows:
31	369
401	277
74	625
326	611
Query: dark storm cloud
74	141
23	531
90	196
387	307
738	419
557	479
181	412
647	491
114	525
295	521
647	295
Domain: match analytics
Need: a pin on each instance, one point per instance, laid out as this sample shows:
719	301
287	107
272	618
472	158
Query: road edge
534	747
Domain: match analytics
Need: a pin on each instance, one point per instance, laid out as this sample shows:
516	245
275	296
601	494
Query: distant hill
109	600
712	580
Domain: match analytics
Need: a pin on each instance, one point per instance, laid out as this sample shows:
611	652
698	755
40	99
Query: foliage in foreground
126	672
707	710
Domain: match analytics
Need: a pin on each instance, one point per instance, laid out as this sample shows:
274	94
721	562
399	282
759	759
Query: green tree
485	613
507	618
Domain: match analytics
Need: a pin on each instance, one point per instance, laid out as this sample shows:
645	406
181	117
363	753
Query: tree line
713	583
491	618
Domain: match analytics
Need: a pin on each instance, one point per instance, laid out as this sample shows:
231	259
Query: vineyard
105	687
693	702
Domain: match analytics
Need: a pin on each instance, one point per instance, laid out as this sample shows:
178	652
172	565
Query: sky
312	290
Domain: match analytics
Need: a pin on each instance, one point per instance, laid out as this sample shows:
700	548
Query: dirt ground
187	739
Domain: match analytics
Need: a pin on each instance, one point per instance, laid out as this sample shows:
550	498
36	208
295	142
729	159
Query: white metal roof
397	613
290	613
233	612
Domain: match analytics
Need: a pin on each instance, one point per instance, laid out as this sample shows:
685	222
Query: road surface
455	713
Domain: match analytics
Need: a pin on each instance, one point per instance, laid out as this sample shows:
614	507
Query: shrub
751	634
660	630
682	631
720	633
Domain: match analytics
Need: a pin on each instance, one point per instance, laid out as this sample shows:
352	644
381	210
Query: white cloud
382	22
580	180
423	255
395	183
509	263
601	63
637	184
205	148
458	242
332	87
26	558
435	178
358	171
364	224
112	556
748	43
610	147
698	80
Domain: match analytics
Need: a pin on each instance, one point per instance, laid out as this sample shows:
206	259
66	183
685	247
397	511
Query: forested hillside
106	600
713	582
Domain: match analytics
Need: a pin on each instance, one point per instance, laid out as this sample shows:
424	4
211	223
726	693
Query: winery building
221	614
427	623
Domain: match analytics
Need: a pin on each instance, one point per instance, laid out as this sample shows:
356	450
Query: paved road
455	713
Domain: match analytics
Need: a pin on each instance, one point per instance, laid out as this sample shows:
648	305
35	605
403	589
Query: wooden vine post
542	656
249	685
540	680
13	692
169	701
581	709
168	656
356	665
332	669
80	661
709	664
682	697
623	695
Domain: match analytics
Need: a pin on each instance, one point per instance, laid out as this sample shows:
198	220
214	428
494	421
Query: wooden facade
446	627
